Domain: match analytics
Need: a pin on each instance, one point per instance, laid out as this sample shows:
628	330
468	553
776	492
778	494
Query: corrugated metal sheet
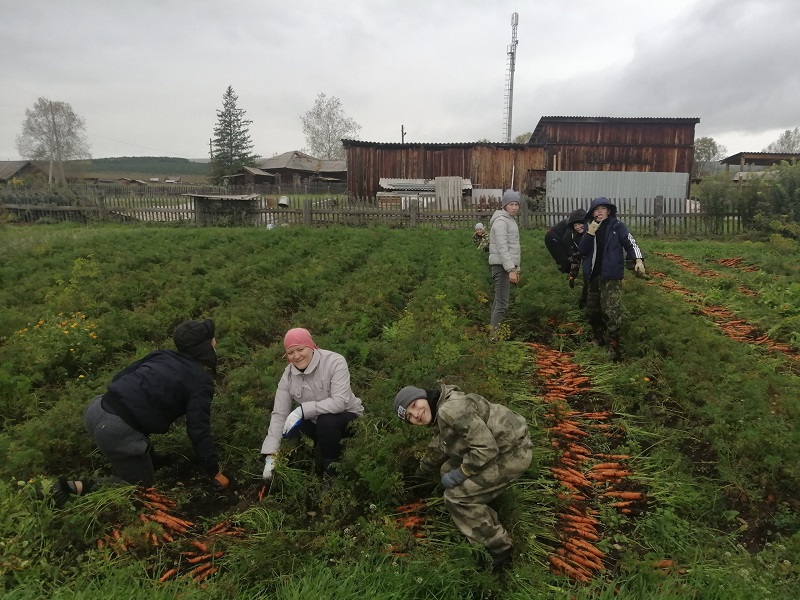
422	185
638	189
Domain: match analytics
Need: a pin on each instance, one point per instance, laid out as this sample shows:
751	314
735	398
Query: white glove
293	420
593	227
269	466
639	266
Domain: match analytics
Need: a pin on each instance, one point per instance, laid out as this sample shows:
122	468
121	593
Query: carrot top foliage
708	424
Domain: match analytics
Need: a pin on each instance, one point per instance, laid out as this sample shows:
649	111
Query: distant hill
143	167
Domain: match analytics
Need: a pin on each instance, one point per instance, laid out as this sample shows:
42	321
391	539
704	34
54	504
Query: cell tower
509	93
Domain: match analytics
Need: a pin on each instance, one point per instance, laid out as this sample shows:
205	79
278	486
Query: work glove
453	478
639	267
293	420
269	466
222	481
593	227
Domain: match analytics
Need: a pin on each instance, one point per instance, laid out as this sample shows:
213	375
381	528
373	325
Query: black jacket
164	386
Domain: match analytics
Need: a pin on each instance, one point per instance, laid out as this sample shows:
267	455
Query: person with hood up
504	253
561	239
318	382
603	249
478	449
146	398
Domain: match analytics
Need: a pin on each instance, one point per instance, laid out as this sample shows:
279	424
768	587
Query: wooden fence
649	216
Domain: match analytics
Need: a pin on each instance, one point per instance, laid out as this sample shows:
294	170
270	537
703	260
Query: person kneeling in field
478	449
147	397
318	381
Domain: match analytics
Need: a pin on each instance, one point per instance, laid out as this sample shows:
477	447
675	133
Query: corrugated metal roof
417	185
625	119
9	168
224	197
300	161
363	143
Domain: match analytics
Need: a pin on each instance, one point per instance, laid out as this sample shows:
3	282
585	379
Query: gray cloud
148	77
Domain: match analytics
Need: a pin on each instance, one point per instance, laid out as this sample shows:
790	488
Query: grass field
679	466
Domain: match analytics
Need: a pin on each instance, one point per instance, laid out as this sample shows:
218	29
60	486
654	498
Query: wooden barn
296	168
19	171
639	144
485	164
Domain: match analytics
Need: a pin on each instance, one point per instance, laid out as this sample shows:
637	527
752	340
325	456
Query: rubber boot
584	296
614	348
598	334
501	560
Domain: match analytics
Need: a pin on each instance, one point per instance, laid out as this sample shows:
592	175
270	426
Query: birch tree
53	132
787	143
325	125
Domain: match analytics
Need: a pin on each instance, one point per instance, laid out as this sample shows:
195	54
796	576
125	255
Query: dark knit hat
405	397
194	339
509	196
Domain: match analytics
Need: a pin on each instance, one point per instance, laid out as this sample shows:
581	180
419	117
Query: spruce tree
232	148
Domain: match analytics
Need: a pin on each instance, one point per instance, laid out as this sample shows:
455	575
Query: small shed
212	208
755	161
296	168
19	171
251	176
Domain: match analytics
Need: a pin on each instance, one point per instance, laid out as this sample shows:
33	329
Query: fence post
658	214
524	218
413	210
307	219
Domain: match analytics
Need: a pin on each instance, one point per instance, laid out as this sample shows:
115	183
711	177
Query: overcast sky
148	75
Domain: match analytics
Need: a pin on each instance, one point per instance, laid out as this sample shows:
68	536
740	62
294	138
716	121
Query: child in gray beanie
478	449
504	254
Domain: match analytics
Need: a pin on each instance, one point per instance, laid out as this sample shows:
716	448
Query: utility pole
402	134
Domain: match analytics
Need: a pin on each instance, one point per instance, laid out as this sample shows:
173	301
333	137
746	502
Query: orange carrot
625	495
202	546
580	575
168	575
590	547
663	564
206	574
199	559
606	465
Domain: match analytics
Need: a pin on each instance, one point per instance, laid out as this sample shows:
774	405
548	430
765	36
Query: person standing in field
318	382
504	253
478	449
603	249
146	398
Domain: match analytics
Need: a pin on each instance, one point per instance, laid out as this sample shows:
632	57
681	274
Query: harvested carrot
167	537
590	547
206	574
183	522
168	575
580	575
625	495
580	559
202	546
219	527
167	522
199	559
622	504
663	564
606	465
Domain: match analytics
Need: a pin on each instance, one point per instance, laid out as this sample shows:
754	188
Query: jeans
502	292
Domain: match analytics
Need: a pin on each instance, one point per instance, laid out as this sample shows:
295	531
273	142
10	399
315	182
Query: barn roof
300	161
763	159
610	120
9	168
364	144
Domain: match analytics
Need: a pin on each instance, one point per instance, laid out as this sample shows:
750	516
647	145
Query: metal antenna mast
509	92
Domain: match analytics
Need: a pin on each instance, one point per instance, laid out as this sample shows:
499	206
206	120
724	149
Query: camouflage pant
604	307
468	503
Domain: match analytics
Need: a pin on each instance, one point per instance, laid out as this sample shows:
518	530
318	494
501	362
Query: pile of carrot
582	475
410	518
198	563
736	329
736	263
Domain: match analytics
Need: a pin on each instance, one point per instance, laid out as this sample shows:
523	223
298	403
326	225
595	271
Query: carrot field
673	473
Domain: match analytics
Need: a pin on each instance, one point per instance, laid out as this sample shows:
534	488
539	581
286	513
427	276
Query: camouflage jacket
481	241
472	430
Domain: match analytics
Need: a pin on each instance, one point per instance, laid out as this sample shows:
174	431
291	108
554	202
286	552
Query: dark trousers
556	249
128	450
327	433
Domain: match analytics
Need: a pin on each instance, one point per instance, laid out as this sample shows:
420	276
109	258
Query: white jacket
324	387
504	241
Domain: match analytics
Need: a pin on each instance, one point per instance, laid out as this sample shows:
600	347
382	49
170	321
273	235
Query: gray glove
453	478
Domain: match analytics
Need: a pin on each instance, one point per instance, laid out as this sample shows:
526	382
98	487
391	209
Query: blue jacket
164	386
618	242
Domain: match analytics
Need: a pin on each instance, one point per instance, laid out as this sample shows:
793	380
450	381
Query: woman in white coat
317	383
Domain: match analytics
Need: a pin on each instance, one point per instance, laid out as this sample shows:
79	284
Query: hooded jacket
617	242
164	386
323	387
504	246
472	431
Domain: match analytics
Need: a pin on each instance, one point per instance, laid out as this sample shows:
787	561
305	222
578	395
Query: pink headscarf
298	337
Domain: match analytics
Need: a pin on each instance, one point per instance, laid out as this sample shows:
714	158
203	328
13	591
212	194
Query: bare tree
325	125
53	132
523	138
706	151
787	143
